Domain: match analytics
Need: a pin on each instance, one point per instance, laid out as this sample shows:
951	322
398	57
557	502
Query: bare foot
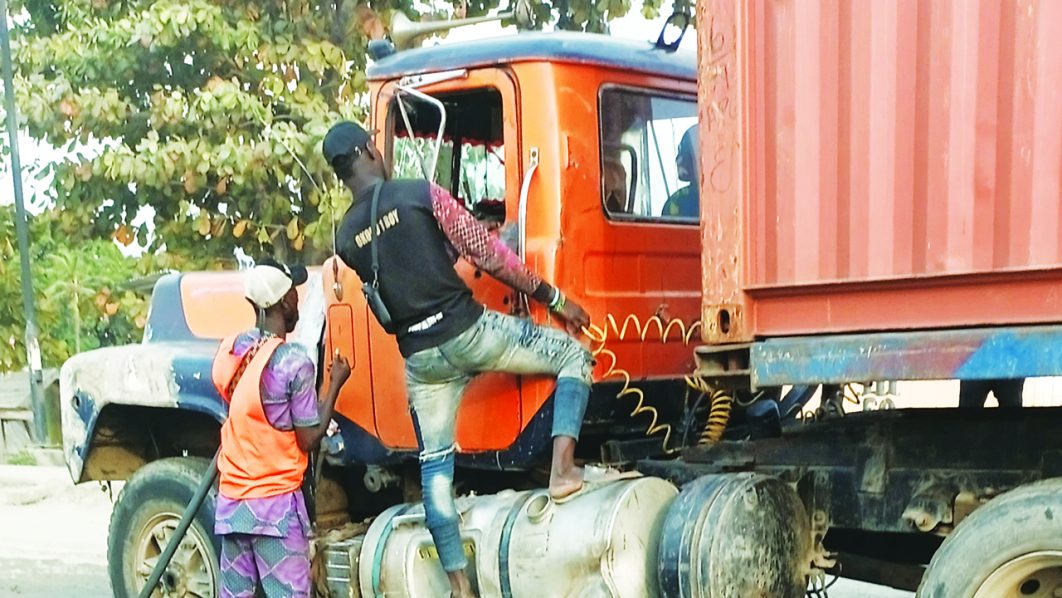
563	484
565	478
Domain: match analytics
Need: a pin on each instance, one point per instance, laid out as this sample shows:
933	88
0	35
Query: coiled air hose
720	403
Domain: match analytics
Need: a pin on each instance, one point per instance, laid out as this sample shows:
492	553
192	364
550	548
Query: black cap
296	273
345	138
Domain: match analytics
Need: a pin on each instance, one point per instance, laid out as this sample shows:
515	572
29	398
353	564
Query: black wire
692	417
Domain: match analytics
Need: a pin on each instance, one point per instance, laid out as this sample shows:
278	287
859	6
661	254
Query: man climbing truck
398	235
836	246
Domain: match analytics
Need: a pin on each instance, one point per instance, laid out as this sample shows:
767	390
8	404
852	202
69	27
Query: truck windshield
649	156
471	160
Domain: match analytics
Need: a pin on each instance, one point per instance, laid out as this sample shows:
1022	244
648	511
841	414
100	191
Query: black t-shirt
428	301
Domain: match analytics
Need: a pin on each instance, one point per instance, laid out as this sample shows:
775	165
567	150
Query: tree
76	293
76	274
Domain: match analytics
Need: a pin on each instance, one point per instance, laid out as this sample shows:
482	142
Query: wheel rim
1035	575
189	574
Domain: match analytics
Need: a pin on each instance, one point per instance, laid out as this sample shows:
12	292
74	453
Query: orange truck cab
566	145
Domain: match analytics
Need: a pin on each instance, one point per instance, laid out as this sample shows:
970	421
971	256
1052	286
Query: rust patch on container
720	101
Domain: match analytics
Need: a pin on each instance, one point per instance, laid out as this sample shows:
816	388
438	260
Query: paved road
53	539
52	535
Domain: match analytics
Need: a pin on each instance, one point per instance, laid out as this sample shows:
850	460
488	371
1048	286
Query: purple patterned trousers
280	565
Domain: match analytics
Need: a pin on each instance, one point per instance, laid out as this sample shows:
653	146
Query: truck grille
341	566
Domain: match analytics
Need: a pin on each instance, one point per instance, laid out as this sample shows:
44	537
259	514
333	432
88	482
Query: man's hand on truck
309	438
572	315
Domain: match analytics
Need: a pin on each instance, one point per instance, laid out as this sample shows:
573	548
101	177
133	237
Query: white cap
267	283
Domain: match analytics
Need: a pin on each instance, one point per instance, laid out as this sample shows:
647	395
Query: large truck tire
742	534
1010	547
144	518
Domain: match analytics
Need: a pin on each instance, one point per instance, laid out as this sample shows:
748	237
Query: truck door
347	333
642	253
479	164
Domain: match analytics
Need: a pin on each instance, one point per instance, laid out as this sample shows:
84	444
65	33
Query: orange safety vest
256	459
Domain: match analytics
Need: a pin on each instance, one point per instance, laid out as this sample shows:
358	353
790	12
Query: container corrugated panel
879	165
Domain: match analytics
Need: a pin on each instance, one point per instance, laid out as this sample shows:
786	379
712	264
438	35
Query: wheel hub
1034	575
189	574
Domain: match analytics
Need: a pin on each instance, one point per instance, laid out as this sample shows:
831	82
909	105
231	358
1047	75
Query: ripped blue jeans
436	379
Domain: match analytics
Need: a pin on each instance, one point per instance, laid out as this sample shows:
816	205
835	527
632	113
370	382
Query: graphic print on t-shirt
383	223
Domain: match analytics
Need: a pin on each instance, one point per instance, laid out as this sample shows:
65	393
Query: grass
23	457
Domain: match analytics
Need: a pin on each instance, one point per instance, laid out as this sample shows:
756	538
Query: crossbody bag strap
373	224
248	357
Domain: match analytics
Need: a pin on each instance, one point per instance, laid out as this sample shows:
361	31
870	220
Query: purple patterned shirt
288	399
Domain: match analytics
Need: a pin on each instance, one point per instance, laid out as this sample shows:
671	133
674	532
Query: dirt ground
53	539
52	535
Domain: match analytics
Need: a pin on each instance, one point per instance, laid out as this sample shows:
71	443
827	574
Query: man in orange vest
274	422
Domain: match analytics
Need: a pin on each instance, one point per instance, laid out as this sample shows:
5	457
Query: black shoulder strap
375	248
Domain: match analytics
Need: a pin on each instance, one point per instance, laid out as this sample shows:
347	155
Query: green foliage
78	294
23	457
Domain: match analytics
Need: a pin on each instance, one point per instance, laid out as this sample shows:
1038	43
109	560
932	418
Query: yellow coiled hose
720	404
720	401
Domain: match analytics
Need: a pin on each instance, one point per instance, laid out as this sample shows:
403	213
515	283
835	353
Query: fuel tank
603	542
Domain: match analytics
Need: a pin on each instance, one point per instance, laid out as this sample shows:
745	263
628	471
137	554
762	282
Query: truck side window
472	157
648	156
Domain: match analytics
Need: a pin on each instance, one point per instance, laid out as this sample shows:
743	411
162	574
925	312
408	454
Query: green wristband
558	305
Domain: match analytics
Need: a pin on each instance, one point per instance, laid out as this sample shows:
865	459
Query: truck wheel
742	534
1010	547
145	516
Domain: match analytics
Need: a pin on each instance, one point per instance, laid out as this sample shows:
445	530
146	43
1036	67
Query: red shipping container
879	165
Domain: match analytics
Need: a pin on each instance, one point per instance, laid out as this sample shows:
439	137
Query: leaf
203	224
369	22
358	82
69	109
191	181
124	235
213	83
